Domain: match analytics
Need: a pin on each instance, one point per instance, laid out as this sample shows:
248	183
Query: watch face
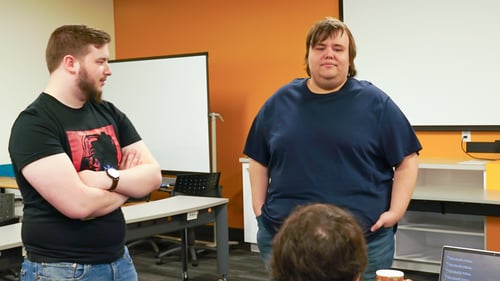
113	172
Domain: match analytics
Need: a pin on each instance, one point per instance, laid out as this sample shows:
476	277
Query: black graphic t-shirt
92	136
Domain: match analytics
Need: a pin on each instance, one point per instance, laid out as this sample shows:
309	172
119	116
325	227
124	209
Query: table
177	213
8	182
11	236
161	216
10	247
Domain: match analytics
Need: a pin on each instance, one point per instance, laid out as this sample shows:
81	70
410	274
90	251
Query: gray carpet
244	265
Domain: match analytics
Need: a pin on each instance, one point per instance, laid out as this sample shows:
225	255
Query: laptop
467	264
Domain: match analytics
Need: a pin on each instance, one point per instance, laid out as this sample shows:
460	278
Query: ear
71	64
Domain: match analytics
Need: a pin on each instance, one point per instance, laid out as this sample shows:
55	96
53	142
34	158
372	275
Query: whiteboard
166	98
438	60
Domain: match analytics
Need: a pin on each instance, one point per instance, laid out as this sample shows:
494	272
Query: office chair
199	184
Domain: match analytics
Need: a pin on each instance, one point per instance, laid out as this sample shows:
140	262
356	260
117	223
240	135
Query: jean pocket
126	256
62	271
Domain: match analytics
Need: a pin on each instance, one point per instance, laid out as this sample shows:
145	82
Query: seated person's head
319	242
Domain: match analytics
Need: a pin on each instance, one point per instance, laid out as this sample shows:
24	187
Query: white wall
439	60
25	27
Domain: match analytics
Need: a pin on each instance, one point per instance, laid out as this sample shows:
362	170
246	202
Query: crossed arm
84	194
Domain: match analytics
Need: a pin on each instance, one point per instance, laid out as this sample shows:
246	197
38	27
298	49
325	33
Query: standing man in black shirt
77	158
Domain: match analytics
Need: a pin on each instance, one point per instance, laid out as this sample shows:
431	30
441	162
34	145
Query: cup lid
389	273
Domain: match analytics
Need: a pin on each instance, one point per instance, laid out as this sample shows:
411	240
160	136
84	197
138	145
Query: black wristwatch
114	175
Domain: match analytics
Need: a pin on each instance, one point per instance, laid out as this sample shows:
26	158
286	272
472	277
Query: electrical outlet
466	136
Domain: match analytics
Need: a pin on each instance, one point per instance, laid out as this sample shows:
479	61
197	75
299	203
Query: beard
88	88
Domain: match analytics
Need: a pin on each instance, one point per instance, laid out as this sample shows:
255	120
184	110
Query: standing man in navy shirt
331	138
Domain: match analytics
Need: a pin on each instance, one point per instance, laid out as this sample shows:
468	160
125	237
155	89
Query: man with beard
73	227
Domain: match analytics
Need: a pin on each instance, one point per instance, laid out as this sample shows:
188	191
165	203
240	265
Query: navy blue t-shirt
338	148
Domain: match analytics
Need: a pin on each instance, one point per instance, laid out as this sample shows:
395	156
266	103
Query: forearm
105	203
405	178
404	181
259	181
139	181
95	199
69	194
140	173
135	182
87	201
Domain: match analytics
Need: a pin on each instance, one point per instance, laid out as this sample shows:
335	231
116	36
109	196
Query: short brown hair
72	40
319	242
324	29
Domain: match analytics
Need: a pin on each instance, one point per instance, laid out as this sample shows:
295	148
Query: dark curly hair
319	242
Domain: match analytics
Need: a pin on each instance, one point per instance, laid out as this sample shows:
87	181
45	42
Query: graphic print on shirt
96	149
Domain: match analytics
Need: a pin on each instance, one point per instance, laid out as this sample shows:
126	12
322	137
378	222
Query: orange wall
253	48
448	144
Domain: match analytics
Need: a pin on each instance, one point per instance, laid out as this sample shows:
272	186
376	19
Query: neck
325	87
65	91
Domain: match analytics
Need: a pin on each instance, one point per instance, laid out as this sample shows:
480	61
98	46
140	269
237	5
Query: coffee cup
389	275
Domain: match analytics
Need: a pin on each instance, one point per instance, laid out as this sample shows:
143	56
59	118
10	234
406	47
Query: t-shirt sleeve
398	136
256	146
32	139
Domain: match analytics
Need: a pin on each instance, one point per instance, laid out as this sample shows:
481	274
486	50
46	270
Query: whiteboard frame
167	100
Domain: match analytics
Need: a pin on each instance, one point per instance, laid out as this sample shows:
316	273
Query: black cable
462	145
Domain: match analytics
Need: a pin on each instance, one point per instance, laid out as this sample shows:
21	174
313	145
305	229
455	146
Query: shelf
426	257
432	228
427	245
452	164
443	223
446	190
427	261
416	266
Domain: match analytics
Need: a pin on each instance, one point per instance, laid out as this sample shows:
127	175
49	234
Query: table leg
184	254
222	240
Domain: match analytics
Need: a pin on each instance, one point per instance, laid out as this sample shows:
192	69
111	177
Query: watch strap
114	178
113	185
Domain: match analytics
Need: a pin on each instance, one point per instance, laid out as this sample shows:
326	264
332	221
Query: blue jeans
121	269
264	242
380	250
380	254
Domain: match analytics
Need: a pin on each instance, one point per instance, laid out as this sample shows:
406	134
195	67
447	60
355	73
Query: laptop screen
466	264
